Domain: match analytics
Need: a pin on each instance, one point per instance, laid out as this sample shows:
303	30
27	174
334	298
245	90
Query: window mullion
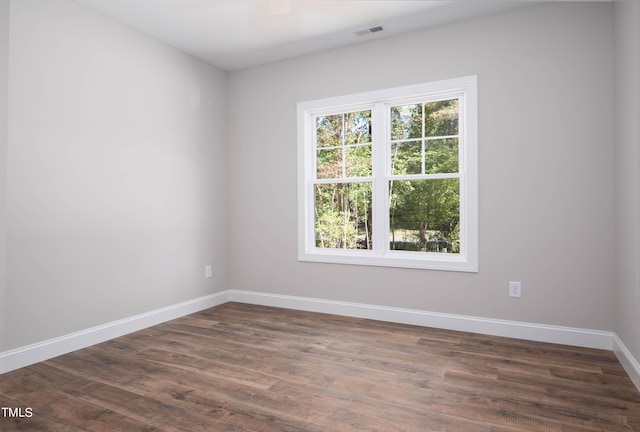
380	120
343	149
424	143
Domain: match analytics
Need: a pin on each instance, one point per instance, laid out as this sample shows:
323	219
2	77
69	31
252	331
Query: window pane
343	215
406	158
329	130
441	118
441	156
358	161
406	122
358	127
329	163
424	215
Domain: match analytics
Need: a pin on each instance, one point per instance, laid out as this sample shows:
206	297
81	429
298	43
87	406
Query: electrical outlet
515	289
208	272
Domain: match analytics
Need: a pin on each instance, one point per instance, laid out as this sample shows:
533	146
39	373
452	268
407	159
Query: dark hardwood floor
240	367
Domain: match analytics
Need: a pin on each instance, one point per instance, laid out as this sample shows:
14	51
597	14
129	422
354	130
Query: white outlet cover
515	289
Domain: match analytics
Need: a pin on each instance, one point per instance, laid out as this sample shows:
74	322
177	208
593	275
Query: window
390	177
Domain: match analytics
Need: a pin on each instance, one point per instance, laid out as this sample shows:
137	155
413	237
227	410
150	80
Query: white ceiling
234	34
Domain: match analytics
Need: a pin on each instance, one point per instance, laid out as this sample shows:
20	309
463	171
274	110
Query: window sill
424	261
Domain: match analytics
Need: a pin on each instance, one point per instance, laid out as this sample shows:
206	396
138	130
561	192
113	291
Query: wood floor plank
240	367
536	401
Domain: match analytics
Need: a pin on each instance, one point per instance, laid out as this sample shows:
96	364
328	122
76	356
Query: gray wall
116	173
4	105
546	166
627	169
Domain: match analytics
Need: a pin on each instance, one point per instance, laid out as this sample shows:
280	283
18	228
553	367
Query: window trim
467	259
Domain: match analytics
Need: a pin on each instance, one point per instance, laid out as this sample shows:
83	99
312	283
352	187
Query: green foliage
343	215
429	209
441	118
344	145
333	232
343	210
424	213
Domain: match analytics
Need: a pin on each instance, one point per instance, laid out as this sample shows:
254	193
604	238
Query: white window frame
379	101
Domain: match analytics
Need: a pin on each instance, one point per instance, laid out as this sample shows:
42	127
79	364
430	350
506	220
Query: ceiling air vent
370	30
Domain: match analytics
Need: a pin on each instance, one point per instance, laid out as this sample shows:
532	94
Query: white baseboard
629	363
41	351
30	354
495	327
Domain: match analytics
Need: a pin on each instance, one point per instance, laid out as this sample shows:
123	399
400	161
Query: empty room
310	215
